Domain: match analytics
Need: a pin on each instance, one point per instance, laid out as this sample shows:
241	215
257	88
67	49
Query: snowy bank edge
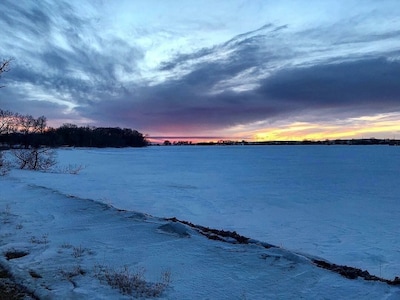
235	238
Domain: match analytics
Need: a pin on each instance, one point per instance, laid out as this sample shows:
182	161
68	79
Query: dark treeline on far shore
24	131
74	136
370	141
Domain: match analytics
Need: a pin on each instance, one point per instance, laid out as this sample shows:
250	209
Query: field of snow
335	202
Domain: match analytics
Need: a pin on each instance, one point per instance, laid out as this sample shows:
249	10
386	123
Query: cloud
334	90
205	95
69	66
63	53
373	84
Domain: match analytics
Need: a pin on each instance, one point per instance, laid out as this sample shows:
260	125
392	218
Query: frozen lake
337	202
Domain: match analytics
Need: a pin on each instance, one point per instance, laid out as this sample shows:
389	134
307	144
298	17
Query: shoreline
61	232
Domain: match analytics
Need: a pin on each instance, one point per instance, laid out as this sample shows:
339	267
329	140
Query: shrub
70	169
40	159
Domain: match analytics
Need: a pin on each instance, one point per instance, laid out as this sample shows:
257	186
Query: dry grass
72	273
133	283
70	169
42	240
78	251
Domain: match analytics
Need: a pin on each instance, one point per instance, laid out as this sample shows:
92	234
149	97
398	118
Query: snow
335	202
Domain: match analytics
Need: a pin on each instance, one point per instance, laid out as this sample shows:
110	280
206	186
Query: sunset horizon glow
367	127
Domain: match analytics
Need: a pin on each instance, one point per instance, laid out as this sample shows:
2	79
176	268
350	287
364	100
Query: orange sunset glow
379	127
383	126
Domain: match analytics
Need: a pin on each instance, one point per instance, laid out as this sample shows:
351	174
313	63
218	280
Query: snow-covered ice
338	203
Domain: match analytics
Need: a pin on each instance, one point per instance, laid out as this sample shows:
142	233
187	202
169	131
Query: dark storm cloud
339	86
346	88
186	101
369	82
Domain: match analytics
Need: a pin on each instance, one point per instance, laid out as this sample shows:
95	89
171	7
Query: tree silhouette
5	66
5	117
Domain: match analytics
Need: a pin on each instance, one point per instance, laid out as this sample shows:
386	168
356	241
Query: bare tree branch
41	159
5	66
8	121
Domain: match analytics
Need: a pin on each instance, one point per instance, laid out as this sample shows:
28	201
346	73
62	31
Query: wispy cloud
244	80
78	62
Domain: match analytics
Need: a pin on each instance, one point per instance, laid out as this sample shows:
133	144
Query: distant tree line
26	131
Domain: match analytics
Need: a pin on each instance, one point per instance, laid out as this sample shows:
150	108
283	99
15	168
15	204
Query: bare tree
5	66
5	118
35	158
29	124
39	159
40	124
8	121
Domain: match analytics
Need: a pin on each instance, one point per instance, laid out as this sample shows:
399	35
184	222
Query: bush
70	169
39	159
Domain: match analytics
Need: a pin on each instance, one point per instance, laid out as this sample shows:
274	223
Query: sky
205	69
